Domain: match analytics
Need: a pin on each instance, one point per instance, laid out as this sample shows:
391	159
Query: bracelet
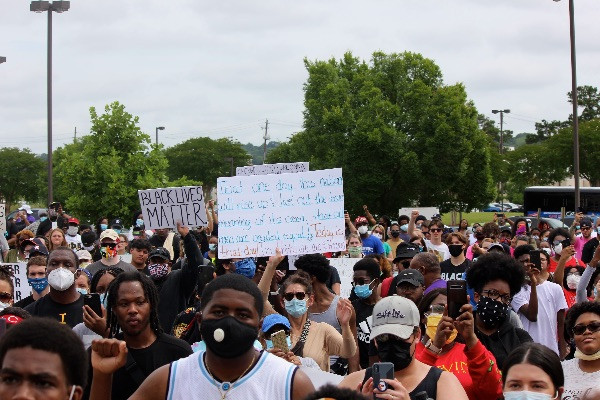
431	347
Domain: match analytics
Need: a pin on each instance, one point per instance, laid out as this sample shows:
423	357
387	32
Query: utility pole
75	135
265	138
501	112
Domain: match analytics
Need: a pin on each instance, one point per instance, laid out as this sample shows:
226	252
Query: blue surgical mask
295	307
404	227
117	230
38	284
269	343
104	300
82	290
103	227
42	219
212	246
527	395
245	267
595	291
363	291
139	222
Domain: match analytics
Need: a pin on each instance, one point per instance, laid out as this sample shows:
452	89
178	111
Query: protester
457	264
33	247
404	254
109	239
473	365
167	239
370	244
532	371
84	258
88	241
57	239
583	371
7	287
434	244
82	281
379	232
394	239
36	277
495	279
140	249
13	316
42	359
586	225
556	238
590	280
63	303
396	333
231	310
16	255
73	237
410	284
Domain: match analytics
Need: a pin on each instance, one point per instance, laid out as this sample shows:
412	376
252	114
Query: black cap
39	247
405	251
586	222
160	252
411	276
116	223
88	238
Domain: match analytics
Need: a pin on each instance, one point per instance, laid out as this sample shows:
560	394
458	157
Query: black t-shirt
364	318
451	271
164	350
24	302
587	253
70	314
334	277
158	241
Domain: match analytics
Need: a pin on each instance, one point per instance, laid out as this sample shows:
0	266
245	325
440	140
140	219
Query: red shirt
476	369
573	262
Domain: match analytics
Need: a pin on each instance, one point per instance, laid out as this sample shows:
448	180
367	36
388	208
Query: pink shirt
579	242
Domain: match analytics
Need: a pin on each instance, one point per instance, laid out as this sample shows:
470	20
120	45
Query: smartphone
534	257
93	301
500	215
382	370
566	243
457	297
279	340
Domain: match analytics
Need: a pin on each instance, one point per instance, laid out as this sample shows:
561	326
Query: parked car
492	207
533	222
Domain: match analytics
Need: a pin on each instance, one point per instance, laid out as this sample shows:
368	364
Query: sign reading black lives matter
162	208
22	288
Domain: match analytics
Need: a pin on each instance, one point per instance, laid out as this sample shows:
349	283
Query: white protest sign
162	208
428	212
301	213
344	267
2	219
22	288
266	169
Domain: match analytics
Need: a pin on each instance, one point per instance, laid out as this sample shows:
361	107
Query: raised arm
411	224
559	273
369	216
194	259
265	281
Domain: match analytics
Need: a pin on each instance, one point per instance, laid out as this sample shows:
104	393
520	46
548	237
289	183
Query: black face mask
396	351
491	312
237	337
479	236
395	234
455	249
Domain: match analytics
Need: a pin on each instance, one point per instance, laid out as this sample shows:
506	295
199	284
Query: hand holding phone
381	370
279	340
457	297
92	300
534	258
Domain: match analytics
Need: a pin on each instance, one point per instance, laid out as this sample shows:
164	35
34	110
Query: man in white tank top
230	369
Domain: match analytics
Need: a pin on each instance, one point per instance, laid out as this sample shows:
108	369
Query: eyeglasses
299	295
433	230
5	297
495	295
586	228
360	281
592	327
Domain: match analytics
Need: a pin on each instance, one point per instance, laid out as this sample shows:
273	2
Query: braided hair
114	271
150	292
6	274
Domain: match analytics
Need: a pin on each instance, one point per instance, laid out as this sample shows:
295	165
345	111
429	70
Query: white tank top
270	378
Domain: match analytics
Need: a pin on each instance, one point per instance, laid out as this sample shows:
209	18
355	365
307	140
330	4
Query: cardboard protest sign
2	219
344	267
266	169
22	288
299	213
162	208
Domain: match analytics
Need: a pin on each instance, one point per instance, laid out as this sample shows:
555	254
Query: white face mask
573	281
61	279
362	229
4	305
72	231
558	249
527	395
378	236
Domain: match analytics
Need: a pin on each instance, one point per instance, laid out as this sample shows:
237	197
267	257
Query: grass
472	217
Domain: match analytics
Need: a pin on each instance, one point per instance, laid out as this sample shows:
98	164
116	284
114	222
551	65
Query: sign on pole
162	208
266	169
22	288
299	213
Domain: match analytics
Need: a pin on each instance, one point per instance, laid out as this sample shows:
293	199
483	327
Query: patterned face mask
108	252
158	271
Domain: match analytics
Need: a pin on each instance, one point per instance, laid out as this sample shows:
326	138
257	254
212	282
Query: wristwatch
431	347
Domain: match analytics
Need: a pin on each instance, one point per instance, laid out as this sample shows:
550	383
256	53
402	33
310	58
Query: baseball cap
406	250
83	255
39	247
585	222
110	234
437	284
26	208
360	220
88	238
116	223
496	246
160	252
394	315
73	221
274	319
411	276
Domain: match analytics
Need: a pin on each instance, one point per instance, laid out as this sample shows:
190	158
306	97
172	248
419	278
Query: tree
204	159
22	175
101	173
588	98
400	135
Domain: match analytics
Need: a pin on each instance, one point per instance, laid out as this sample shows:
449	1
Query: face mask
354	251
491	312
433	320
395	234
38	284
139	222
295	307
42	219
158	271
117	230
404	227
103	227
548	250
535	237
269	343
82	290
378	236
396	351
227	337
363	291
212	246
61	279
72	231
527	395
3	305
595	292
88	248
573	281
455	249
104	300
107	252
395	274
558	249
245	267
362	229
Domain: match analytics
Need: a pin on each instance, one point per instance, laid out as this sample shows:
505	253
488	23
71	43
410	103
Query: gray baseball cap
394	315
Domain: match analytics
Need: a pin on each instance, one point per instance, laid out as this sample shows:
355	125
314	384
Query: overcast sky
218	69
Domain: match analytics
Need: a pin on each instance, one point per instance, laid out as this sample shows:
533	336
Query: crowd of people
118	313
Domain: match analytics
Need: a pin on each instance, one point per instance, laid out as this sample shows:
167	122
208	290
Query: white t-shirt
576	380
440	250
551	299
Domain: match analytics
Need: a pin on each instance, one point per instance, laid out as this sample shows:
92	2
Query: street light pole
158	128
2	59
501	112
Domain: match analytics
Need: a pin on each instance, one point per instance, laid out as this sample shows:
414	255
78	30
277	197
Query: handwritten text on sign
22	288
300	213
162	208
265	169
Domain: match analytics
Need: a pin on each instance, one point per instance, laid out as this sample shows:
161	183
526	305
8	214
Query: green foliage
588	98
204	160
400	135
22	174
100	174
257	151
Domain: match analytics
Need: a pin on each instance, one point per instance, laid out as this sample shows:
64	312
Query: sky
219	69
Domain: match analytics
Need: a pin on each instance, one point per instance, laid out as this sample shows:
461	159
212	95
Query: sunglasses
433	230
5	297
592	327
586	228
290	296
